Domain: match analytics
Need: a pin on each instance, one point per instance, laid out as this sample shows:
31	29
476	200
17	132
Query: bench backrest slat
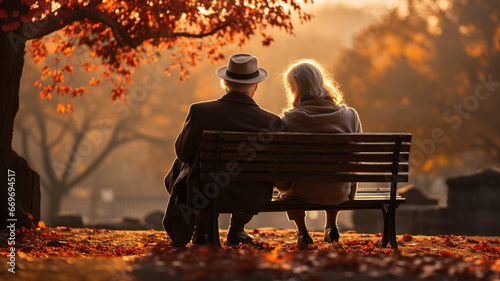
309	177
256	166
308	137
308	148
304	157
358	157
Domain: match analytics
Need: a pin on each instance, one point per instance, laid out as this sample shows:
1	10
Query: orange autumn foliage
122	35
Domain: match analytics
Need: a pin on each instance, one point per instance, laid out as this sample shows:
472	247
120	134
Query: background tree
70	148
426	70
119	36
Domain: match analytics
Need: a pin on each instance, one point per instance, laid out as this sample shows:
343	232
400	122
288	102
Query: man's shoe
200	235
332	233
199	238
236	237
304	238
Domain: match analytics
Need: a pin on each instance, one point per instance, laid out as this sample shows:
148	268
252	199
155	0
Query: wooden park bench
272	157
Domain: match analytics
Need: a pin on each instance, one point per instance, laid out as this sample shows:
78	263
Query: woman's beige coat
321	116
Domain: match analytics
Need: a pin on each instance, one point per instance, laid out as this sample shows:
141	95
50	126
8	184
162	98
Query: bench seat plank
358	203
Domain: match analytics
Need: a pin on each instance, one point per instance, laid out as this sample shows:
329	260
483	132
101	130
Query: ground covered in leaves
98	254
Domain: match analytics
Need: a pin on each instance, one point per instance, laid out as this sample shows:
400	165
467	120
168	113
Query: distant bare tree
72	147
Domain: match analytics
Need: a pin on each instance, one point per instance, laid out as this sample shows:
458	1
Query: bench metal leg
389	215
385	238
213	227
392	227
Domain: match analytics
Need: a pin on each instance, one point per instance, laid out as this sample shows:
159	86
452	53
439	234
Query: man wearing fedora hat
235	111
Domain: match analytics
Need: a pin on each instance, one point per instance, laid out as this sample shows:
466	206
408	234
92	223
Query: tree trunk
27	186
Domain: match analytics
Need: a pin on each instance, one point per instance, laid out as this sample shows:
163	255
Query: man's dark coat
233	112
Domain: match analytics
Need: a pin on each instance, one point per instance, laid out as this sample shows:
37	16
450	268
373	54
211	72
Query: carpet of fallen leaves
99	254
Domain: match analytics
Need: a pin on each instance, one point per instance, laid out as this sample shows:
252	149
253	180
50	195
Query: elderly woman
316	104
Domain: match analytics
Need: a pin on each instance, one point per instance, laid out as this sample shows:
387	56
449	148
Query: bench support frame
388	207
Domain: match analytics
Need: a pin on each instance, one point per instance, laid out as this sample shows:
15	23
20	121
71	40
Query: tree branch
94	4
74	150
24	141
53	23
489	142
56	22
45	184
58	138
112	144
56	119
29	134
158	35
140	136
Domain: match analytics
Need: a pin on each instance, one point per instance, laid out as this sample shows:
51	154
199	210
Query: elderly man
235	111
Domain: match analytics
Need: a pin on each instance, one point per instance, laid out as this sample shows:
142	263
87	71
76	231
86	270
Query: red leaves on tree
46	93
37	50
117	92
64	108
95	82
68	68
121	34
11	26
40	10
29	2
57	85
3	14
89	66
267	40
46	71
78	92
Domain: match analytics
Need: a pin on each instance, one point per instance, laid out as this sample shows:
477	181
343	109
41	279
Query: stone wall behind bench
474	201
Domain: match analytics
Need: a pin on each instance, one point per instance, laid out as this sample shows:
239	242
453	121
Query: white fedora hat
242	68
